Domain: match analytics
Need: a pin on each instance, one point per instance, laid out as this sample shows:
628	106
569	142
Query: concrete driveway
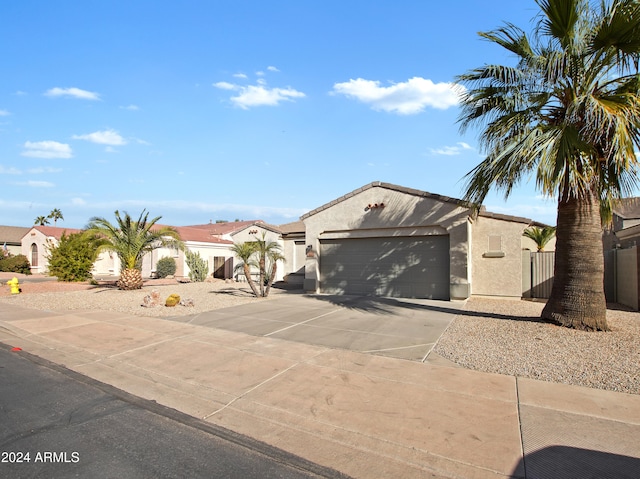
399	328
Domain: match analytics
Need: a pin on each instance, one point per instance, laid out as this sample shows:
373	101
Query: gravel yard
206	296
491	335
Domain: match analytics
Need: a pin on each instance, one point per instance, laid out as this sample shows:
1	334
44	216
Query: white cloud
130	107
259	95
45	169
272	69
240	75
105	137
4	113
9	171
223	85
38	184
46	149
73	93
78	202
407	98
451	150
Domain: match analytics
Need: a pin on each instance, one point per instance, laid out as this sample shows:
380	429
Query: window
34	255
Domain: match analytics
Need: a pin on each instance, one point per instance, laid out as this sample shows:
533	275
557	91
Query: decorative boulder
151	300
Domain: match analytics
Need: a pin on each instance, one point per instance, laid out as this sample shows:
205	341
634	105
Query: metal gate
538	267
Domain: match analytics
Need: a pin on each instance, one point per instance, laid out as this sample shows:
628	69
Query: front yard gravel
507	337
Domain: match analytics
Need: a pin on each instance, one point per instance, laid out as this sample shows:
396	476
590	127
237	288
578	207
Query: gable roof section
389	186
228	227
13	234
419	193
54	231
189	233
296	227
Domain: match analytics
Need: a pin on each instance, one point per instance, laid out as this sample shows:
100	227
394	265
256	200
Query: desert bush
15	264
165	267
198	267
72	259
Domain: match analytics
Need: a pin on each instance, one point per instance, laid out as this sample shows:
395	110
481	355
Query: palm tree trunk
577	298
271	278
262	274
247	274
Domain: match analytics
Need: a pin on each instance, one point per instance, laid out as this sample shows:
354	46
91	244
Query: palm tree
568	114
41	221
55	215
269	253
245	252
131	240
261	254
540	236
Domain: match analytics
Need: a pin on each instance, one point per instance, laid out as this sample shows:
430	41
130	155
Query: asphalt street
56	423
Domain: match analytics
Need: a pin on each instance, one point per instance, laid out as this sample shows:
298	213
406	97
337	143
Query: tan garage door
402	267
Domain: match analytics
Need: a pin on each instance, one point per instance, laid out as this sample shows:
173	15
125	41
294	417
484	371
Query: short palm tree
41	221
269	253
131	241
245	251
540	236
55	215
262	254
567	114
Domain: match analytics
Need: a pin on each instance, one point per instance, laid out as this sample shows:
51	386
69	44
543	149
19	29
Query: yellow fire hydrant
14	285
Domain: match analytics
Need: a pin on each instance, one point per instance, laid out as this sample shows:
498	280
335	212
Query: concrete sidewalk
367	416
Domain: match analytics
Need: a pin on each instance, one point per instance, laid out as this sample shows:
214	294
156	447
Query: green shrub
198	267
165	267
172	300
15	264
72	259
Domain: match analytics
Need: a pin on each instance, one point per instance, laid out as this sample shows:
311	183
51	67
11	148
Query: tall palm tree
55	215
41	221
131	240
540	236
568	115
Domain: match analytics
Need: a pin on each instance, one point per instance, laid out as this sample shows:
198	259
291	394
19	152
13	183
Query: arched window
34	255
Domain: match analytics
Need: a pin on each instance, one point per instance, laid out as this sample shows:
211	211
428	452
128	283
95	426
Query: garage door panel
396	267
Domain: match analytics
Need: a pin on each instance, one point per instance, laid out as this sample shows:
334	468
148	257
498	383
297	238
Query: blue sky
207	110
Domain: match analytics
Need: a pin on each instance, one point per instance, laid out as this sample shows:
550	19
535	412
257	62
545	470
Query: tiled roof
189	233
291	228
627	208
55	231
12	234
228	227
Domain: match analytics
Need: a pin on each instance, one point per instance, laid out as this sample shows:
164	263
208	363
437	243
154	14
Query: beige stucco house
387	240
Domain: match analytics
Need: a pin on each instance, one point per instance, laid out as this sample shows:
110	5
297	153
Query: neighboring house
11	239
388	240
622	261
212	241
36	243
